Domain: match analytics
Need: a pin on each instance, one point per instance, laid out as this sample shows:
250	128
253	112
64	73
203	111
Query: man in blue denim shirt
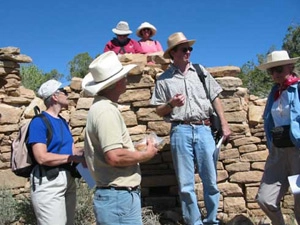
282	110
181	99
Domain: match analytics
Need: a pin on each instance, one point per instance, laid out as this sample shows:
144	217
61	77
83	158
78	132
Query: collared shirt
105	131
197	106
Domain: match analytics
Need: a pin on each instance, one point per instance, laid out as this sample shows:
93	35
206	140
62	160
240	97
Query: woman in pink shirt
145	31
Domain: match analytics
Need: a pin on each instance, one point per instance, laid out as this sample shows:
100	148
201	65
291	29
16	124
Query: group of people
180	98
122	44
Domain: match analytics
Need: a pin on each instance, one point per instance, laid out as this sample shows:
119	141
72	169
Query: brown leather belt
120	188
205	122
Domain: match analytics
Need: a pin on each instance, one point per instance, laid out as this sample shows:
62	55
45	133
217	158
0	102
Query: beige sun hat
277	58
122	28
104	71
176	39
146	25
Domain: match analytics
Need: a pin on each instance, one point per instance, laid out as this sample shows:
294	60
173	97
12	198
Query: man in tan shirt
109	151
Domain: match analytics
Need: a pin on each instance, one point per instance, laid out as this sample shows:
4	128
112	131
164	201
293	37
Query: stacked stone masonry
240	164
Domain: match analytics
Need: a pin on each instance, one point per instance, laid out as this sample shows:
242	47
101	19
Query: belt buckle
199	122
132	188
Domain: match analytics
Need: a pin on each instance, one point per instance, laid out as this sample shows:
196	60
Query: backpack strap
36	110
122	49
62	122
49	134
48	126
215	120
38	113
201	77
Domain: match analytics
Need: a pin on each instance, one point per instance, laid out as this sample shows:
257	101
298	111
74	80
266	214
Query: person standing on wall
146	31
281	123
122	44
109	151
180	98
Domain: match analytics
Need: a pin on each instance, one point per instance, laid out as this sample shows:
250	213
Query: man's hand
226	133
178	100
151	149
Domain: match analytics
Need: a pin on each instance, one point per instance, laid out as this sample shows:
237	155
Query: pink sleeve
137	47
107	48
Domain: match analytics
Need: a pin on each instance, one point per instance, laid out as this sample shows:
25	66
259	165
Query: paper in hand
295	183
217	149
86	175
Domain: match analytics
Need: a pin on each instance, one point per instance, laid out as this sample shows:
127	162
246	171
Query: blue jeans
117	207
190	145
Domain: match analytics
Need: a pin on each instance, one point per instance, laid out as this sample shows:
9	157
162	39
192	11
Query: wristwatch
170	105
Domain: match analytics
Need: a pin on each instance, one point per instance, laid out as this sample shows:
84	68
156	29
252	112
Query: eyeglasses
184	50
61	90
146	29
277	69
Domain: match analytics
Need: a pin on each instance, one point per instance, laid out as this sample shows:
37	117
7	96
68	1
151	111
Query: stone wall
240	164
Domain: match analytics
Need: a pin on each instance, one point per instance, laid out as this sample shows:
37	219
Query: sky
227	32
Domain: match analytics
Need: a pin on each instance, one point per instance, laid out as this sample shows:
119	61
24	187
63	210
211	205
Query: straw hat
146	25
176	39
104	71
122	28
277	58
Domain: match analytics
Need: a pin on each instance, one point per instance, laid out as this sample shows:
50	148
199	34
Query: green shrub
84	209
7	206
148	217
25	212
12	210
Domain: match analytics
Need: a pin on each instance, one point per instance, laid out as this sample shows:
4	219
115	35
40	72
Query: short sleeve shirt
150	46
105	131
62	140
197	106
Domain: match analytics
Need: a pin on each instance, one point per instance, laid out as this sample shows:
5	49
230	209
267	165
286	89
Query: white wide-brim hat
146	25
176	39
50	87
104	71
122	28
277	58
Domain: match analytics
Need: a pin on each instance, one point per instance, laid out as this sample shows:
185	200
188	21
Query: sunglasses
146	29
277	69
125	35
184	50
61	90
